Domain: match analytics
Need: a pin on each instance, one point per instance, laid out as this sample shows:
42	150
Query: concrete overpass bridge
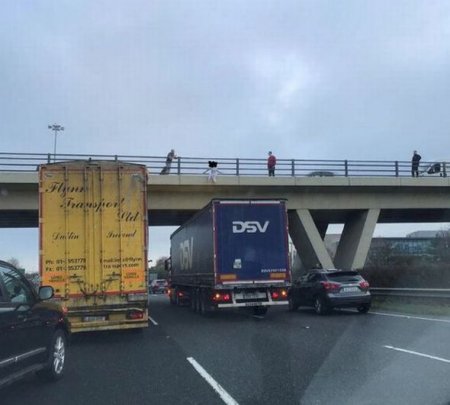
314	202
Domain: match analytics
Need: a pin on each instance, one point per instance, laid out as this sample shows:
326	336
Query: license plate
350	289
255	295
94	318
252	304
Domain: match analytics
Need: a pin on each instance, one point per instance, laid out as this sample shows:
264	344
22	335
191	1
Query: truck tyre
198	305
320	305
56	362
177	298
172	296
201	302
260	310
194	301
204	308
292	305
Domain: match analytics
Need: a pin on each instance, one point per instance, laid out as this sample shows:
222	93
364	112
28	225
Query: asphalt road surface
236	358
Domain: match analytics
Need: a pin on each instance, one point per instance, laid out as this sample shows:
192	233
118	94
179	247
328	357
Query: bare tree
15	262
442	245
381	254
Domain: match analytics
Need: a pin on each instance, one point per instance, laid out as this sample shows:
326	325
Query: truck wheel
177	298
198	304
320	305
292	305
54	369
194	301
204	309
171	296
201	304
260	310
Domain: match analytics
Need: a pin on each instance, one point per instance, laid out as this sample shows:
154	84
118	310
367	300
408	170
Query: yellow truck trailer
93	235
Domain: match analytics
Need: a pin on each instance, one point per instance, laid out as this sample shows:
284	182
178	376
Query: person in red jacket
271	163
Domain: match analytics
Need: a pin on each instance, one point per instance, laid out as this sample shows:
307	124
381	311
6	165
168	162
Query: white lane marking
227	398
417	354
153	321
401	316
410	317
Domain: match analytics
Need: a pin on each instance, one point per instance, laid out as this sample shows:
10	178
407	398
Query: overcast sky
305	79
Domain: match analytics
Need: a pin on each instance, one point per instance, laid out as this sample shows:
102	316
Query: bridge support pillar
308	240
355	240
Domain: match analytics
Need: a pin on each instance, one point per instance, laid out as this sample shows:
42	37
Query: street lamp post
56	128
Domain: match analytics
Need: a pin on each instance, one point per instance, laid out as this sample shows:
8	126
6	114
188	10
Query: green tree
159	267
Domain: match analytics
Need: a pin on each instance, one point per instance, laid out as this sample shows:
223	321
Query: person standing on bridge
415	164
213	171
271	163
170	157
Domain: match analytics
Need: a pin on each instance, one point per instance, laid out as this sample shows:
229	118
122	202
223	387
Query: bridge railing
28	162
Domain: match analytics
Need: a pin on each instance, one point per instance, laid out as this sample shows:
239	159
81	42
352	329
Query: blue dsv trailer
233	253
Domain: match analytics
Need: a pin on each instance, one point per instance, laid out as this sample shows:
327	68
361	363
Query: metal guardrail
28	162
412	292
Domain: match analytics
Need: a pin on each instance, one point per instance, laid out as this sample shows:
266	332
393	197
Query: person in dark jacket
170	157
415	164
271	162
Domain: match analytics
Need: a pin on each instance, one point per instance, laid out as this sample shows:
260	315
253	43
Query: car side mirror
46	292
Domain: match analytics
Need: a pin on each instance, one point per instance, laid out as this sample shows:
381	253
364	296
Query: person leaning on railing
170	156
415	164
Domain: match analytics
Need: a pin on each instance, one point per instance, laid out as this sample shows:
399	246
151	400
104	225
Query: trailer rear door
93	228
251	241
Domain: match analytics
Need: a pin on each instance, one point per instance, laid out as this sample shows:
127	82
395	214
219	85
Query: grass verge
412	306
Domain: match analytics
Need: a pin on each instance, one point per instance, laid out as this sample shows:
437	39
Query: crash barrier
28	162
412	292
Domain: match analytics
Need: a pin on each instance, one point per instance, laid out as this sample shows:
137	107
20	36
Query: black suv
328	289
33	331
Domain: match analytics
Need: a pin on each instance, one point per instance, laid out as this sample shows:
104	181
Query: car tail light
180	294
135	315
221	297
330	286
279	294
364	285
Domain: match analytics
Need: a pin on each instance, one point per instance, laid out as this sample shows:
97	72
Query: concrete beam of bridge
355	240
307	240
173	199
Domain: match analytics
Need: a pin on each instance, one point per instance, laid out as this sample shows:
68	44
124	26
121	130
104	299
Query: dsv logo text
249	226
186	253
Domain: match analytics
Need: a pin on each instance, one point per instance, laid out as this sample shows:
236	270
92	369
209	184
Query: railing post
49	157
179	166
346	168
396	168
293	168
237	167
